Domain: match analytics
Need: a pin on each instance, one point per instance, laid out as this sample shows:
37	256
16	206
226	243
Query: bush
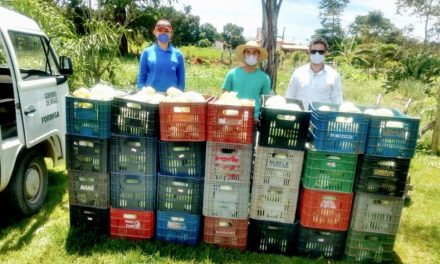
204	43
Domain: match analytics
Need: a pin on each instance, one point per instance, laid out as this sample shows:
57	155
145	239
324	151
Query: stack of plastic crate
380	187
277	173
181	171
329	174
227	175
88	131
133	168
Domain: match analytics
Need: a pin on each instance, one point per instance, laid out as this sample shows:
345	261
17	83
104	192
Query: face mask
164	38
251	60
316	58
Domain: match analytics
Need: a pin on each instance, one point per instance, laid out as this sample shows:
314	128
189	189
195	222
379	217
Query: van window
34	56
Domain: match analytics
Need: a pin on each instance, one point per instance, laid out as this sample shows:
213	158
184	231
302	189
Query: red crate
325	210
183	121
230	124
224	232
131	224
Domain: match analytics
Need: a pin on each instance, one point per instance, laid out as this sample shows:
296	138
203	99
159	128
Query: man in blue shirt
161	65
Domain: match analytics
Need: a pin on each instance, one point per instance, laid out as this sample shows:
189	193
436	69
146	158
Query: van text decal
51	98
50	117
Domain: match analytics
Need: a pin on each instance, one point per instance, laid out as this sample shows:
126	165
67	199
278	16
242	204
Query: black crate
91	218
381	175
135	155
133	191
134	118
280	128
182	158
272	237
179	194
321	243
89	188
86	154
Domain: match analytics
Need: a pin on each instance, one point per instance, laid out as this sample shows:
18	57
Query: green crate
369	248
329	171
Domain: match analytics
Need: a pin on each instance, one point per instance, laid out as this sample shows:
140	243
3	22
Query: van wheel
28	188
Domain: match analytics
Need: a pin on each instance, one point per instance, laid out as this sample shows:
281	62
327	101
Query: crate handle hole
228	151
286	117
394	124
180	149
181	109
333	157
224	224
134	105
342	119
231	112
130	216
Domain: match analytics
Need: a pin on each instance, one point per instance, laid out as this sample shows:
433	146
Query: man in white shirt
315	81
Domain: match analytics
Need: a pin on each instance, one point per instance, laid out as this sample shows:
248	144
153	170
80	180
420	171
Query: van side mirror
66	67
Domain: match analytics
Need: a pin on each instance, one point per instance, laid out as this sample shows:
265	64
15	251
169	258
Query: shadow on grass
24	228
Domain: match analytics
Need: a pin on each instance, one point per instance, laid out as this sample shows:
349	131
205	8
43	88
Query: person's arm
227	83
292	88
266	86
181	73
143	70
336	95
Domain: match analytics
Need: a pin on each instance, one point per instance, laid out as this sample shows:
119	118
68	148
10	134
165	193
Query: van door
41	88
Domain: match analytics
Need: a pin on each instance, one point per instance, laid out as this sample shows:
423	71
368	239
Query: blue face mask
164	38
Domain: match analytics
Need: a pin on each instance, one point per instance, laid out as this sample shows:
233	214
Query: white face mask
316	58
251	59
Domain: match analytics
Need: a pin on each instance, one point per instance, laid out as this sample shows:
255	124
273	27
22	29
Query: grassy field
48	238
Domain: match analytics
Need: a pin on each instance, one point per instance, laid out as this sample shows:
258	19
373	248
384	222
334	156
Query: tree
232	35
331	21
271	9
428	10
208	31
374	27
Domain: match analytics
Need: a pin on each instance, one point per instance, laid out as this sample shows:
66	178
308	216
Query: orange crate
225	232
183	121
230	124
325	210
131	224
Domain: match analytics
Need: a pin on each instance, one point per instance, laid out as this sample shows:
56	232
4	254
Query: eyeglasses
319	51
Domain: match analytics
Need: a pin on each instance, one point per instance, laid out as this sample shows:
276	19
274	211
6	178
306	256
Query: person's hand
256	122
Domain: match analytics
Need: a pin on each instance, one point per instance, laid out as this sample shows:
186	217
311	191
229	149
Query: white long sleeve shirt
324	86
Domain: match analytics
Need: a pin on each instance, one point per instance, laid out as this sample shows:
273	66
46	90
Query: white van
33	86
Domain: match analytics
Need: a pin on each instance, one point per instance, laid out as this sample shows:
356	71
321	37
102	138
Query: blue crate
392	136
134	155
340	132
88	117
133	191
176	227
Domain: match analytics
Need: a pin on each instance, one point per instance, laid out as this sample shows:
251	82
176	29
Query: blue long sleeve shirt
161	69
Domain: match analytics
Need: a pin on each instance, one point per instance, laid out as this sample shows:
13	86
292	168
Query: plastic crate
380	175
134	155
278	167
180	228
369	247
88	117
134	118
86	154
183	121
226	199
131	224
88	188
90	218
180	194
321	243
273	203
230	123
225	232
329	171
394	136
131	191
281	128
272	237
325	210
334	131
182	158
376	213
228	162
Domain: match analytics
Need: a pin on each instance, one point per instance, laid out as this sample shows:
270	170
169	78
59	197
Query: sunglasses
319	51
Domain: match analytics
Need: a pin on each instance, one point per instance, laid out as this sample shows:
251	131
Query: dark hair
319	41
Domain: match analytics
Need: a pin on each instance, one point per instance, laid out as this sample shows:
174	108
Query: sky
298	19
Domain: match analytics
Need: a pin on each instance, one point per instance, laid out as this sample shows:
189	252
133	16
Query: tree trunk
271	9
436	131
